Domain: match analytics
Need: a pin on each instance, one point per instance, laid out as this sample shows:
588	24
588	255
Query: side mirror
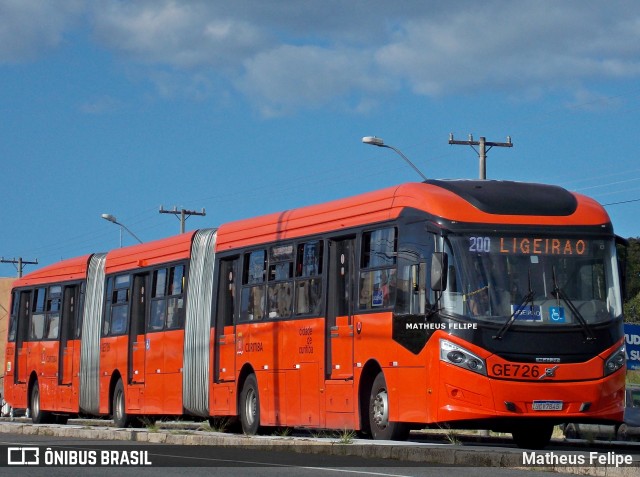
439	269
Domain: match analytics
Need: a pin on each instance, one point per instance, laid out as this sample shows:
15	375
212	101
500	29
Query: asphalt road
171	460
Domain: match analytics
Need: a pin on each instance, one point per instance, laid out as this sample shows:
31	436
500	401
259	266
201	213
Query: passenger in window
382	286
478	301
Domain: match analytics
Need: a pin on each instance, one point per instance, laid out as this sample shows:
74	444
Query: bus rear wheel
250	406
533	436
38	416
381	427
119	406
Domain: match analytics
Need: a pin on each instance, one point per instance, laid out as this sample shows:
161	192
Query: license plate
547	405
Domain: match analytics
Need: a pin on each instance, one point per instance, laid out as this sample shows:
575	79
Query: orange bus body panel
149	254
65	270
161	392
386	204
364	209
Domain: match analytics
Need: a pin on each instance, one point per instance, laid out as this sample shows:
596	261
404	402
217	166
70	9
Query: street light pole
379	142
112	219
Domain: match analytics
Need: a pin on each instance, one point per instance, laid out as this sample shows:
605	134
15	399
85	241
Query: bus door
339	332
67	335
22	346
225	333
137	336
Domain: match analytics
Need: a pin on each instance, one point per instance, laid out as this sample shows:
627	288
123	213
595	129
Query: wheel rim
381	409
35	403
119	410
250	406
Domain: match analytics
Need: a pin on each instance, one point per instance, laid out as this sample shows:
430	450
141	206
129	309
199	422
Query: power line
621	202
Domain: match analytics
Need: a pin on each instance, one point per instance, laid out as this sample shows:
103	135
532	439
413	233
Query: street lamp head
373	140
377	141
109	217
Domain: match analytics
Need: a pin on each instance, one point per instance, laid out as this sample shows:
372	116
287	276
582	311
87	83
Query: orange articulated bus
472	304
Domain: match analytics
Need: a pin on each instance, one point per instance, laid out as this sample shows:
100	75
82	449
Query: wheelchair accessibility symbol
556	314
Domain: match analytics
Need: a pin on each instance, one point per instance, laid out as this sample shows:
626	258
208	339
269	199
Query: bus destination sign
529	245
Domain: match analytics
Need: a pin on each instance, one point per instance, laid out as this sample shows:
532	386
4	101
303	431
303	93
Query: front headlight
614	362
459	356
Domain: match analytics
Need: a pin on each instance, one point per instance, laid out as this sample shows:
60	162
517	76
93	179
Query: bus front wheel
381	427
250	406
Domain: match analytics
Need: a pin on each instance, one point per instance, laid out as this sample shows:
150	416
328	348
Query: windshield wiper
528	298
558	293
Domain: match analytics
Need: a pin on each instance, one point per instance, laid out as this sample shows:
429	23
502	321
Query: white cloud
287	55
292	76
29	27
183	34
517	46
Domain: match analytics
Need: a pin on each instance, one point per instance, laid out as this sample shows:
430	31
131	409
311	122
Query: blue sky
251	107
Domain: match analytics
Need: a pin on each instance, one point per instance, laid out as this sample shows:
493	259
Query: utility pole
182	215
482	153
19	264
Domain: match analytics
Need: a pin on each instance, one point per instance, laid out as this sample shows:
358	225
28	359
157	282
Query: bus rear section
43	343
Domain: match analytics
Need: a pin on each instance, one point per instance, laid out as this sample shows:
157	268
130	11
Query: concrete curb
445	455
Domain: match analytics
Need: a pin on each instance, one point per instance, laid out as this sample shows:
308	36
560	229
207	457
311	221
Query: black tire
380	426
119	406
622	433
38	416
571	431
533	436
249	406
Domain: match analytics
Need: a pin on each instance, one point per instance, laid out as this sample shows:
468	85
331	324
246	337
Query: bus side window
308	278
280	289
13	319
377	284
252	298
37	315
53	308
175	300
158	305
117	313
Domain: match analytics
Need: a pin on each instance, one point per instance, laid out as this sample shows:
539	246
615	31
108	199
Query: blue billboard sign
632	342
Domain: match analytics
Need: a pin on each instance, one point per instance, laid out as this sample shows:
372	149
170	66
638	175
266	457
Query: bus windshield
536	280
